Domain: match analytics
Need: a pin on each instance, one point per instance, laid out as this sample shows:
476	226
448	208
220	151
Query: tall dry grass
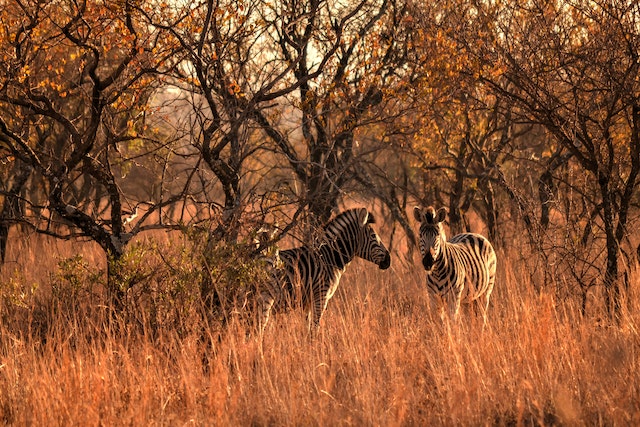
380	358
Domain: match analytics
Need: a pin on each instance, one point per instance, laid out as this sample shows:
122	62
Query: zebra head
352	235
264	237
432	237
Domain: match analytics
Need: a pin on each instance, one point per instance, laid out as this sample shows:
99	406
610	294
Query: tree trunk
12	209
322	201
612	287
116	288
612	290
546	196
455	200
491	210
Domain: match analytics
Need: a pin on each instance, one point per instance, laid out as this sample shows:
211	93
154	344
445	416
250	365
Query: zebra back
472	262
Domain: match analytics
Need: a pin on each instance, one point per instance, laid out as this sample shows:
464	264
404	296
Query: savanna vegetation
144	144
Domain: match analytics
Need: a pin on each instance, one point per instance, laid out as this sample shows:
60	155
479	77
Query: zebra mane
335	227
430	215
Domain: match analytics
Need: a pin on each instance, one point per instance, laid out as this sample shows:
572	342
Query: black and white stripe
461	269
309	276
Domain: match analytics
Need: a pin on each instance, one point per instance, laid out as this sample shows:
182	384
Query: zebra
463	269
308	276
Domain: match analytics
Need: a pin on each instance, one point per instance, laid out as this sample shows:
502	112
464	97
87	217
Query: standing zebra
463	269
309	276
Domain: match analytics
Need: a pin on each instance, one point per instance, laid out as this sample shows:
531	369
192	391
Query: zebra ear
441	214
371	219
417	213
364	217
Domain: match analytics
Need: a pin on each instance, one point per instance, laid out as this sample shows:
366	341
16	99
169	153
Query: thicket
142	144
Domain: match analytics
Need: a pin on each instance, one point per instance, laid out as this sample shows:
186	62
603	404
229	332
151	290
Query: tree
292	81
73	102
572	67
462	133
344	61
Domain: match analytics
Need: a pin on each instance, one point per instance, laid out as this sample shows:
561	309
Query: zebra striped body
462	269
310	275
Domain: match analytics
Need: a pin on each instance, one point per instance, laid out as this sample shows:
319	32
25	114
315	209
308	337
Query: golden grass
380	358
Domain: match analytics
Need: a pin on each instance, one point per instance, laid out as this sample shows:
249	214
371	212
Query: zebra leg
454	304
318	307
437	305
267	303
483	303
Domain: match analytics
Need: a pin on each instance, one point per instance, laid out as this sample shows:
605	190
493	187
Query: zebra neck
441	262
337	257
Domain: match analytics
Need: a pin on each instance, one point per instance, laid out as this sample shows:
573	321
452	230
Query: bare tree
572	68
72	103
343	60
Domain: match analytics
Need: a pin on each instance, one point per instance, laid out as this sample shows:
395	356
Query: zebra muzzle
386	262
427	262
